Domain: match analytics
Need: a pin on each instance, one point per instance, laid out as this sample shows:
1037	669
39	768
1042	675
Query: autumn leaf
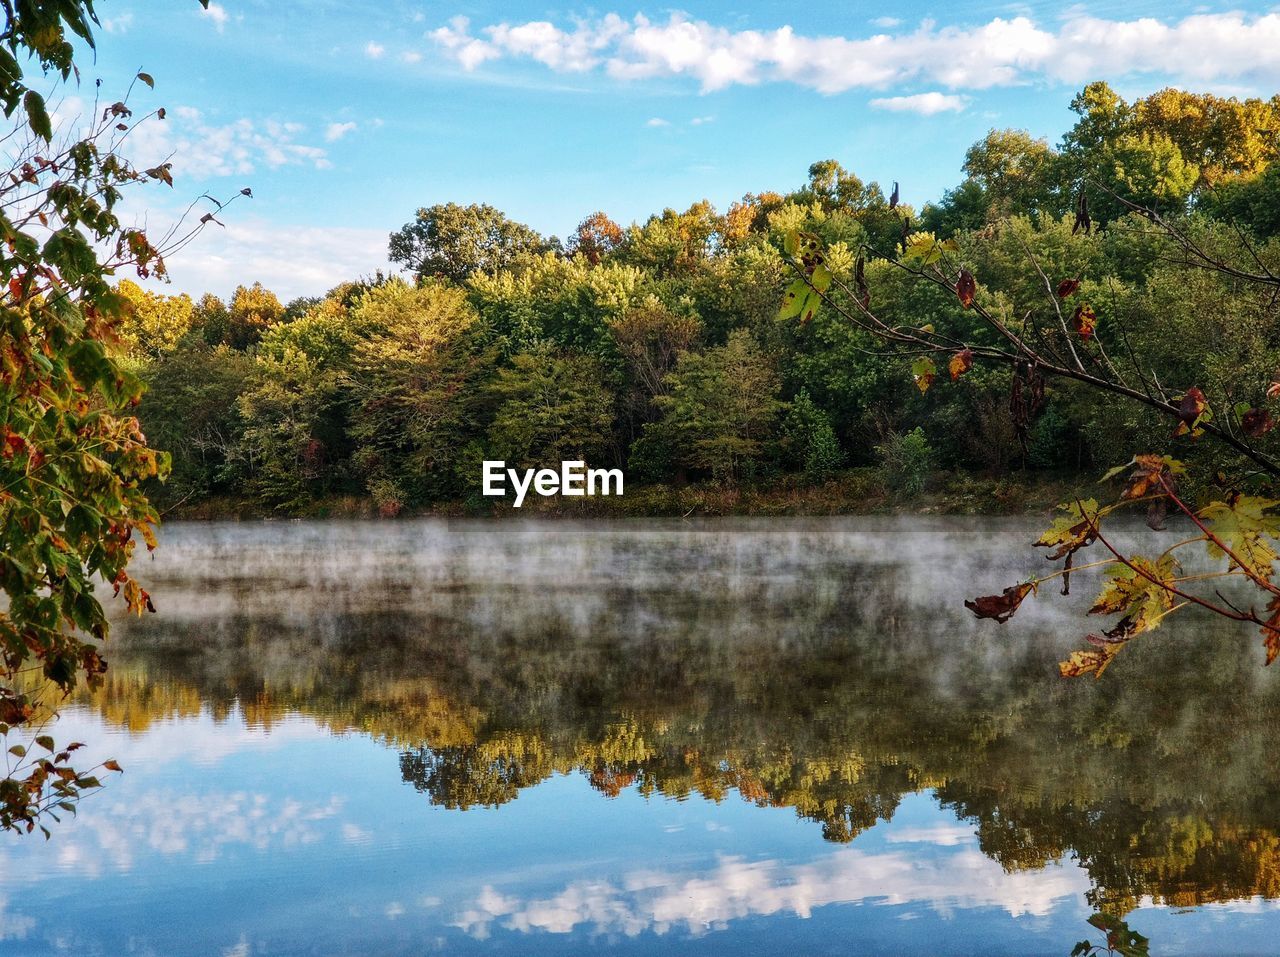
1084	320
1256	422
1140	590
860	288
1068	287
924	371
1271	629
793	299
805	247
1073	531
966	288
1097	659
112	766
1000	608
1090	662
960	363
1244	527
1147	474
1192	410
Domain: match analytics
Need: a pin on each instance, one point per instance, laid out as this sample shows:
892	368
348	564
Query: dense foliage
657	346
73	456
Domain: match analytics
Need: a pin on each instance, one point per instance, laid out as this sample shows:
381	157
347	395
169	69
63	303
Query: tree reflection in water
804	678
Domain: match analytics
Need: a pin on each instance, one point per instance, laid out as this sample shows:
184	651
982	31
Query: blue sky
346	117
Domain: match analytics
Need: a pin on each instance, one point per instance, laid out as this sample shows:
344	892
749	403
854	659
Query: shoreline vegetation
859	491
669	349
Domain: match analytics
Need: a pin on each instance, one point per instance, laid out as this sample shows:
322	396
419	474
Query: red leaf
1085	321
966	288
1192	407
1000	608
1067	287
1256	422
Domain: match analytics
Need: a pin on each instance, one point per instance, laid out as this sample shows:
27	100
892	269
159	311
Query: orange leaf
960	363
1085	320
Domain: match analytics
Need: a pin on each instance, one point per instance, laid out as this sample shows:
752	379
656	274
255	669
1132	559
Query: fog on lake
767	736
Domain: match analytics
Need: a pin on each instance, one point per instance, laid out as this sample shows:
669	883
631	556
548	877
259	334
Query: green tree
722	407
212	320
295	445
454	242
674	243
1146	169
1016	172
190	407
552	406
809	439
417	379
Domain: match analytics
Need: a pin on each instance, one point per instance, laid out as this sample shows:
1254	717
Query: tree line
657	346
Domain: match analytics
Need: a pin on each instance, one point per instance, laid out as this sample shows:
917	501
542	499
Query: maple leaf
1242	524
966	288
960	363
1070	533
1141	590
1073	531
1067	287
924	371
1000	608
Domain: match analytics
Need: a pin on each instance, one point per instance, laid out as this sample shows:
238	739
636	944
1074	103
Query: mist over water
769	736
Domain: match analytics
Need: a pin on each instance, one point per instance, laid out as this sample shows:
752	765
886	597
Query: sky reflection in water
738	737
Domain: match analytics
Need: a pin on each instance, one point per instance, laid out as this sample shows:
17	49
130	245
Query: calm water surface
733	737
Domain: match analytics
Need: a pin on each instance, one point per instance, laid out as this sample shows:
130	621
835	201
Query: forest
658	347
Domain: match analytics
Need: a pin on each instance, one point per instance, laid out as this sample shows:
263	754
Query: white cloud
199	149
411	56
1207	47
887	22
374	50
926	104
736	888
336	131
455	39
945	835
656	121
291	260
120	24
701	120
217	13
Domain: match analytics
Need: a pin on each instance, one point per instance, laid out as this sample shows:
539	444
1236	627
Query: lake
761	737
